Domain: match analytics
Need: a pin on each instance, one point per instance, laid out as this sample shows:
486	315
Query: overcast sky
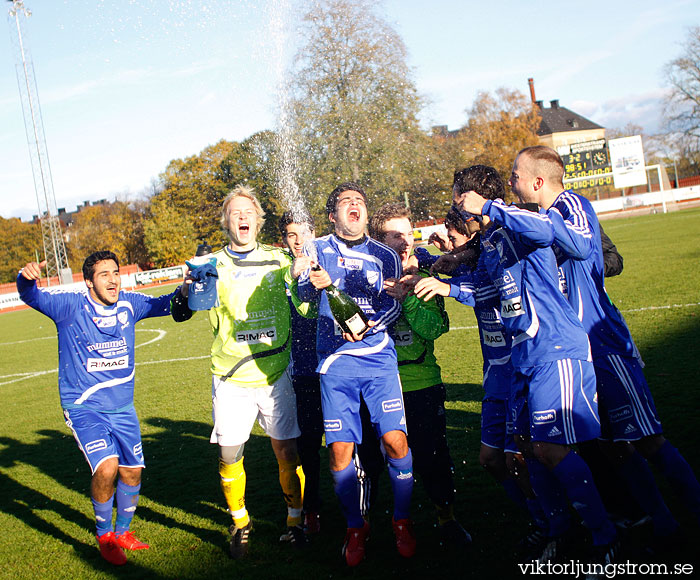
125	86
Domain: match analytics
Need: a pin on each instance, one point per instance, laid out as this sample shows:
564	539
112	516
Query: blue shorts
497	424
498	380
562	404
520	417
627	411
340	397
104	435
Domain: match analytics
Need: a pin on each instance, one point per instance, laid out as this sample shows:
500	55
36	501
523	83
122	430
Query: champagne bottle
345	310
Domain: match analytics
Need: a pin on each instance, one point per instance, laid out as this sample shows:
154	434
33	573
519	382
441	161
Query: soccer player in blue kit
360	366
96	385
631	429
554	398
498	454
295	230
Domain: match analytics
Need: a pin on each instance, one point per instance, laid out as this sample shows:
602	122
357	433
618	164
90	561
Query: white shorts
235	410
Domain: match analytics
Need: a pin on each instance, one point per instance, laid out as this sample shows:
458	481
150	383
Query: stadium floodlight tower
52	237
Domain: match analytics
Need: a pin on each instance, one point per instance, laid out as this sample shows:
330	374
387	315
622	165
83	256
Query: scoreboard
589	159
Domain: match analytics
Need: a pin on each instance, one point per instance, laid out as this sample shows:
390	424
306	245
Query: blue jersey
476	289
519	260
303	359
95	343
579	254
360	271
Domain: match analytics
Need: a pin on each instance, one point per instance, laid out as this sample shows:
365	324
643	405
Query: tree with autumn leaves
20	243
354	115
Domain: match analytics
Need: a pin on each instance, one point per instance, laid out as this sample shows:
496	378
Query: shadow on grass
467	392
38	511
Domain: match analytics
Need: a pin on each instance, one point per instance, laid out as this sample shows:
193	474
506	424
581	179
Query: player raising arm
554	400
631	428
96	385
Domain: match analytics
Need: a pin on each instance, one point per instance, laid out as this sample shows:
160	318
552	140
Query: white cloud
643	109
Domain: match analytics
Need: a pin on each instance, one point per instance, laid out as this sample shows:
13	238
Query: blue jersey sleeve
146	306
532	228
57	305
462	289
573	234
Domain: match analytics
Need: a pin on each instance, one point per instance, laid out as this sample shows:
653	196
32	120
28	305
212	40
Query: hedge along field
45	512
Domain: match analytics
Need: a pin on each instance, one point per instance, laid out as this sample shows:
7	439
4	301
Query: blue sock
640	482
127	500
347	488
576	478
514	492
551	498
676	469
401	476
103	515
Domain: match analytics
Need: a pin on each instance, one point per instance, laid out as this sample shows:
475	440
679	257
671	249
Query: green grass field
46	522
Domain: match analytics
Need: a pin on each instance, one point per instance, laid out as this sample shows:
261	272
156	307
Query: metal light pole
52	236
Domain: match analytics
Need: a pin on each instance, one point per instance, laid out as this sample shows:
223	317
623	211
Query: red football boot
128	541
111	550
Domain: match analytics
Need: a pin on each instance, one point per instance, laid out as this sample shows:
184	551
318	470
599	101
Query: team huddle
560	367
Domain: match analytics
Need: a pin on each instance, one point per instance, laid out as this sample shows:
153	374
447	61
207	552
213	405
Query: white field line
644	309
161	334
29	340
22	376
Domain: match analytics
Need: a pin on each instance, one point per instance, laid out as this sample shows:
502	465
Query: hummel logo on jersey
95	445
488	315
104	321
332	425
512	307
328	250
261	336
112	344
263	314
542	417
554	432
100	365
504	280
630	429
242	274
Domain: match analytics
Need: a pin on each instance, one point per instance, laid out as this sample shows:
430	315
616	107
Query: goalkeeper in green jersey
249	362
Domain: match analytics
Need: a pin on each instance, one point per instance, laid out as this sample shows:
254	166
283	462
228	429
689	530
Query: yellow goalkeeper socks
445	513
292	490
233	486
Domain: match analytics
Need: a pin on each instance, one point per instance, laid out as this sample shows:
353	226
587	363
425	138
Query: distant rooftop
68	217
558	119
